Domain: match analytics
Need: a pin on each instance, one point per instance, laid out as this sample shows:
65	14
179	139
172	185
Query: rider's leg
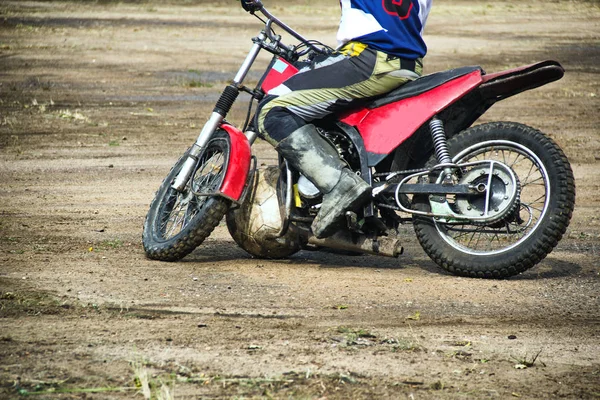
308	152
314	93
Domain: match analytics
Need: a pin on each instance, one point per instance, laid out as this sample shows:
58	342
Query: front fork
219	113
205	135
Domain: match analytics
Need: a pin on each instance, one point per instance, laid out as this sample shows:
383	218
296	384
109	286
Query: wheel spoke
512	230
543	196
532	182
471	239
174	218
177	221
182	207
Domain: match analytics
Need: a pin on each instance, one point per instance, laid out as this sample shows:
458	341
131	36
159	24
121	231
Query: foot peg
352	222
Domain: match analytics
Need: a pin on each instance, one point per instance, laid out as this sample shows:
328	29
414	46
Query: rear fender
495	87
498	86
239	164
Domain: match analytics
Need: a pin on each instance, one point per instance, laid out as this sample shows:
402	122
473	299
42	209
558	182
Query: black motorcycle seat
421	85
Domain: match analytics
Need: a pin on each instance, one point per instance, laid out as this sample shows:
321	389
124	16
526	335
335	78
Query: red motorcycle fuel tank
278	72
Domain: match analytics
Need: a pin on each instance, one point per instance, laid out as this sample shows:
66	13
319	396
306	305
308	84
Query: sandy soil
97	101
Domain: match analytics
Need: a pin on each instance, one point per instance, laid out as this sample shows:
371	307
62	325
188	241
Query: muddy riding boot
318	161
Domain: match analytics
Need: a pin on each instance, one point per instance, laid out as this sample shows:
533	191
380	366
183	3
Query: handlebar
253	6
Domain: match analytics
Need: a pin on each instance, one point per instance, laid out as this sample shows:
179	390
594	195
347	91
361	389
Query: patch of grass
355	336
528	362
110	244
459	354
149	387
42	107
39	389
460	343
9	121
18	304
141	378
26	28
307	385
463	353
415	317
406	345
75	116
357	332
199	84
269	386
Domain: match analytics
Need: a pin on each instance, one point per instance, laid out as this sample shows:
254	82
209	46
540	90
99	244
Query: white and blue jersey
394	27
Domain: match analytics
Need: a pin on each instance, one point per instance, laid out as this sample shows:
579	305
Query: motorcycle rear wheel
178	222
526	235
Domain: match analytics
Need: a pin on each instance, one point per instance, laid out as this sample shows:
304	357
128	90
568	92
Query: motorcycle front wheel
532	228
179	221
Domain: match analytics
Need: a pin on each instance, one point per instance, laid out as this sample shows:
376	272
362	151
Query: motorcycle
488	201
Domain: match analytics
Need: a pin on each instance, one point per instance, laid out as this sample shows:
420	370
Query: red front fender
239	164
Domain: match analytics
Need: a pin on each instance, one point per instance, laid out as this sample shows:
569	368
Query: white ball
253	224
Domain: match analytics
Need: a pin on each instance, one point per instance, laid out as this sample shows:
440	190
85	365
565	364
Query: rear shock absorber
440	145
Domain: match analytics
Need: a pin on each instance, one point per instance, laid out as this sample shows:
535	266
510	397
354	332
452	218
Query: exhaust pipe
347	241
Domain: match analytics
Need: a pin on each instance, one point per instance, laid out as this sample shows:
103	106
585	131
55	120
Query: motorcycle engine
344	146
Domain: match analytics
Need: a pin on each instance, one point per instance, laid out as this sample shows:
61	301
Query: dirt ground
97	101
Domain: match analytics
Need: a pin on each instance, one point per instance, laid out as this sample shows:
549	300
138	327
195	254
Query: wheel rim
180	208
513	230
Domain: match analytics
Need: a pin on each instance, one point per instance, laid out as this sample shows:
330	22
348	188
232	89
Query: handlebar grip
251	5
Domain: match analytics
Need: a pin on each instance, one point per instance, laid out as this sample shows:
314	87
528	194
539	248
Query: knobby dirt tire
545	235
199	227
